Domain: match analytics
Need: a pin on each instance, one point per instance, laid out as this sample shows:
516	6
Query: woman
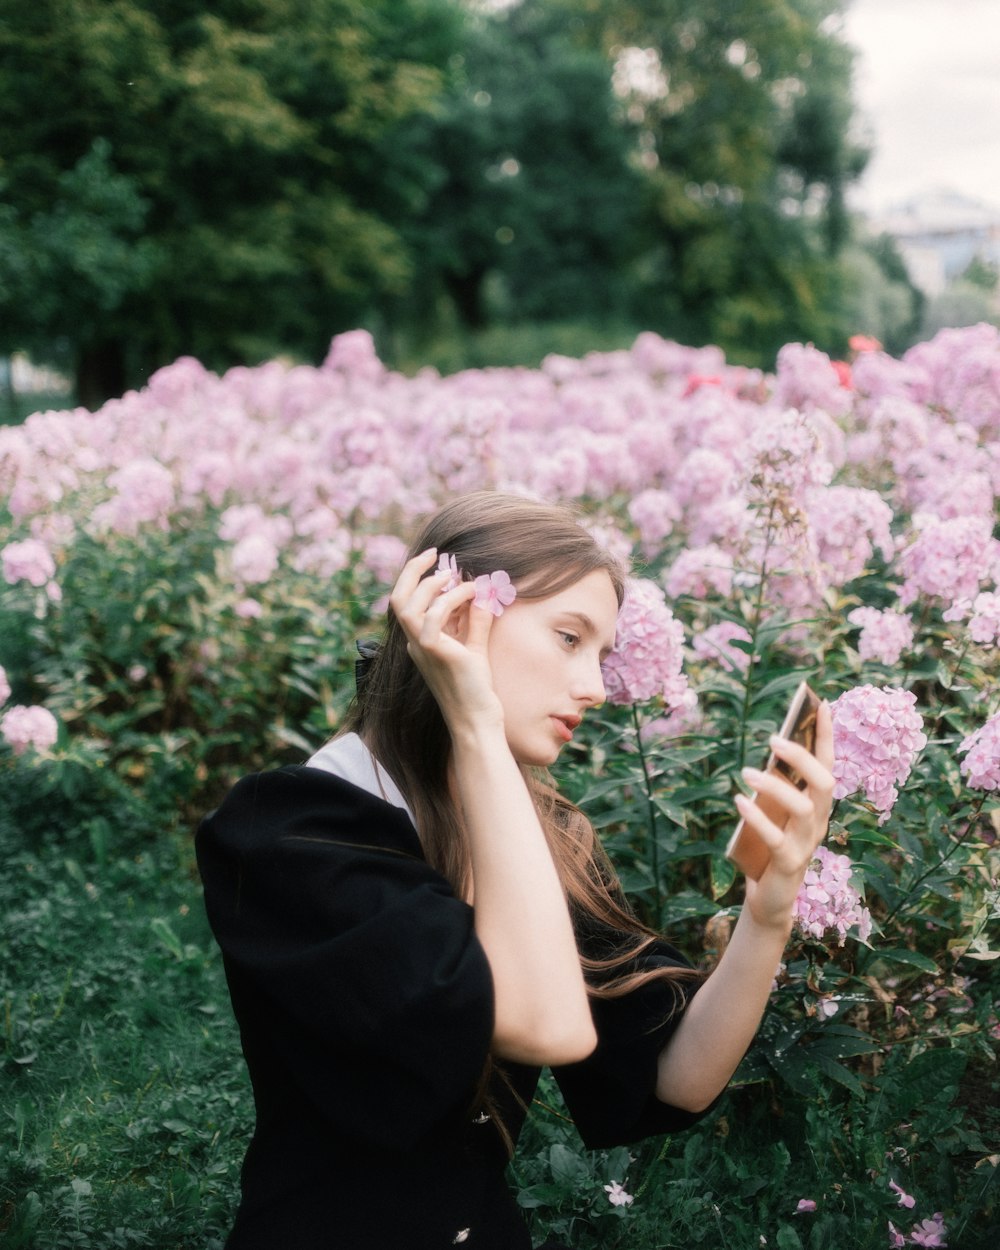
415	922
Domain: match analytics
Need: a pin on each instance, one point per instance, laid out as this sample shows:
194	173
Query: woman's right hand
448	640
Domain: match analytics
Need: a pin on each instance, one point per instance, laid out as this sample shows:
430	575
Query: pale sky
927	84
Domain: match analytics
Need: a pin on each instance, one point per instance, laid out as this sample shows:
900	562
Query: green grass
125	1104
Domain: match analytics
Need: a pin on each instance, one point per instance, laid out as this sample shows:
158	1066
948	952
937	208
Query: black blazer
365	1006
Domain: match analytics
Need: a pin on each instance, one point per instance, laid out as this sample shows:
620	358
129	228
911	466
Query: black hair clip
367	651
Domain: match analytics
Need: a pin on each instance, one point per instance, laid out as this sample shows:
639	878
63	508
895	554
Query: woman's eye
569	639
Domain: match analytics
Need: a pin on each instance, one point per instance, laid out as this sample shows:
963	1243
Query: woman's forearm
521	916
721	1019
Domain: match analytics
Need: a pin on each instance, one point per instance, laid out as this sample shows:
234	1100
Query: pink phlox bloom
864	343
828	901
714	644
617	1195
494	591
884	635
448	564
24	727
877	735
4	686
249	609
981	766
255	559
805	1204
930	1232
984	627
649	651
905	1199
896	1238
29	561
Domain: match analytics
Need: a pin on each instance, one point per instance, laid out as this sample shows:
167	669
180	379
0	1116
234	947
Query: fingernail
752	774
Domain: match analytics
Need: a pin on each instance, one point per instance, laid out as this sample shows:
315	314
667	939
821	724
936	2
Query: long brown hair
544	548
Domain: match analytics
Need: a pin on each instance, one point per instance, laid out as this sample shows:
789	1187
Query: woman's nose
590	687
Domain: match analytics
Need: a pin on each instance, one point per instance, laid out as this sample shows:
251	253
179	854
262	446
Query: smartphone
746	848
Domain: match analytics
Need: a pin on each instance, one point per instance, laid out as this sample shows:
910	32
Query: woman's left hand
770	900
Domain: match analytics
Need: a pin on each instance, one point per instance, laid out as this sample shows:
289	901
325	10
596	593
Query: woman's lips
565	726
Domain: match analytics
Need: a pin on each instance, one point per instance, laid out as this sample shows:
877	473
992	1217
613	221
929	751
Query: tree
744	126
217	183
533	186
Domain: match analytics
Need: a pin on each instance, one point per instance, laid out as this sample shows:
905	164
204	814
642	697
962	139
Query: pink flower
144	494
884	635
249	609
29	561
494	592
24	727
653	512
929	1232
254	559
448	564
714	644
805	1204
649	651
877	734
981	766
699	570
896	1238
947	559
905	1200
617	1195
4	685
984	627
828	900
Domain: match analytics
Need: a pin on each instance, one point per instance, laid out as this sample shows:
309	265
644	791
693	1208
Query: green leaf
899	955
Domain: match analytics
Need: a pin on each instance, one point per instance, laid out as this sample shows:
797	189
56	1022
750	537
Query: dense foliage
234	181
186	571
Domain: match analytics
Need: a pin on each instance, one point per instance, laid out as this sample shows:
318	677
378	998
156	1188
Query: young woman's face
546	657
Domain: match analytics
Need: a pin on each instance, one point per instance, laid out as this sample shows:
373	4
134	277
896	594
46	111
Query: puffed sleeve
355	972
611	1094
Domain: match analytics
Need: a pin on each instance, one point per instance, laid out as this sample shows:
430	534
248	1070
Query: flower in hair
494	591
448	564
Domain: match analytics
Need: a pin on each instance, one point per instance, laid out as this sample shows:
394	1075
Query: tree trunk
100	372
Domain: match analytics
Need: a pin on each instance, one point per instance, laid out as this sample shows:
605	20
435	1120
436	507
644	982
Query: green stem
758	611
654	850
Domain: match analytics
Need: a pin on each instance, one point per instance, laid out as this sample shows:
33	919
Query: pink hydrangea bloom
4	686
946	559
24	727
649	651
981	766
713	644
828	901
884	635
930	1232
877	734
29	561
494	592
617	1195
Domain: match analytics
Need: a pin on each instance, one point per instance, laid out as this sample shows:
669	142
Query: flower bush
186	571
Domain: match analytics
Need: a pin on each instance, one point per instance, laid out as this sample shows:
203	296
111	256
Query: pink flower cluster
828	901
649	651
493	591
877	735
884	635
981	766
947	559
715	642
24	727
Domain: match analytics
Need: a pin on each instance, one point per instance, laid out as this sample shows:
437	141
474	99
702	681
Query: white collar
348	758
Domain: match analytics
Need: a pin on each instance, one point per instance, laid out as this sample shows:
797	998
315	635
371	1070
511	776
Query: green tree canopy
220	182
